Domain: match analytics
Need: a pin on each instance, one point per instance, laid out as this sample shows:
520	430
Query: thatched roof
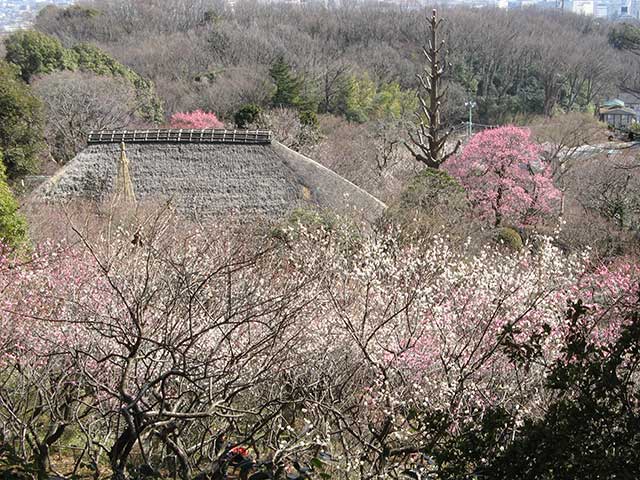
206	179
181	135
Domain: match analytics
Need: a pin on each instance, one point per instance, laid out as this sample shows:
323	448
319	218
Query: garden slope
203	180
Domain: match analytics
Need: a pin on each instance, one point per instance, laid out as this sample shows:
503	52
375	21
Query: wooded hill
359	60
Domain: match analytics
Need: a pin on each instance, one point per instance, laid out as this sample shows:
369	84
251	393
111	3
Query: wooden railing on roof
208	135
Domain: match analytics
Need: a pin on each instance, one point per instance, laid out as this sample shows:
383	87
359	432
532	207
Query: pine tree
288	85
428	142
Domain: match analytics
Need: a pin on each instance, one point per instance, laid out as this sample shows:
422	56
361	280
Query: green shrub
249	114
13	227
432	202
36	53
509	237
21	123
429	189
308	117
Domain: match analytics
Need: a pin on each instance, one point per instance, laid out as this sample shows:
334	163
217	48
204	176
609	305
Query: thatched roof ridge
330	189
181	135
208	179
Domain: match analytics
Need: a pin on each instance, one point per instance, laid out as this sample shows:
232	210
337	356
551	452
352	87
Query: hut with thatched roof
204	173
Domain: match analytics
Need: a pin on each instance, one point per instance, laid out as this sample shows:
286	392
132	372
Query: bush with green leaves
21	123
308	117
509	237
13	227
249	114
634	131
37	54
625	36
432	200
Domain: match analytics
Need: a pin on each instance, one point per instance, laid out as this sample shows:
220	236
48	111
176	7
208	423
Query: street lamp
471	105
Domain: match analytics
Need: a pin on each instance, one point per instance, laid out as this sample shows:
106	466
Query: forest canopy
513	63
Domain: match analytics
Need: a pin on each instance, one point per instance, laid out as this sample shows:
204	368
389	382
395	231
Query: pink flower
243	452
196	120
505	177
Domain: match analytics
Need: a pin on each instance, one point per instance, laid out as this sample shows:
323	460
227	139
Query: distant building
584	7
616	114
617	10
601	9
623	10
631	100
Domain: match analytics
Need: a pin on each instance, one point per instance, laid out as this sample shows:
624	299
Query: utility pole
471	104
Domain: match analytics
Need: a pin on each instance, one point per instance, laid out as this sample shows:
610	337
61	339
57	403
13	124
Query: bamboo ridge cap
160	135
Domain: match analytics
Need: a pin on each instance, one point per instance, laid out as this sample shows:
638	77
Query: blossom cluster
315	338
505	176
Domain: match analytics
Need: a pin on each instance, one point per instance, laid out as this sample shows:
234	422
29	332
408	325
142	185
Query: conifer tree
288	86
428	143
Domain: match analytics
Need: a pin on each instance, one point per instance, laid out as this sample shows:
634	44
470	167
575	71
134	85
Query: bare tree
568	142
428	143
78	102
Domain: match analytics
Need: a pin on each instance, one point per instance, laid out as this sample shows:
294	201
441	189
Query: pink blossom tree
158	347
430	328
196	119
505	176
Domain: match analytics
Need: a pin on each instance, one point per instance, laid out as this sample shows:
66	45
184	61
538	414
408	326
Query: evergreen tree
13	228
37	53
356	97
288	85
625	37
21	136
249	114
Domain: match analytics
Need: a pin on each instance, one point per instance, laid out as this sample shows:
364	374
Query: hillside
405	243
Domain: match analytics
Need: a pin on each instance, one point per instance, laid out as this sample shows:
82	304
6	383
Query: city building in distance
16	14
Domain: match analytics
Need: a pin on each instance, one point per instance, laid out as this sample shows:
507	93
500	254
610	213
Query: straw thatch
204	180
124	192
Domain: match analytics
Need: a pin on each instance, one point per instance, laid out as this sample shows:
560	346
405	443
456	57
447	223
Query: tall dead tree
428	142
